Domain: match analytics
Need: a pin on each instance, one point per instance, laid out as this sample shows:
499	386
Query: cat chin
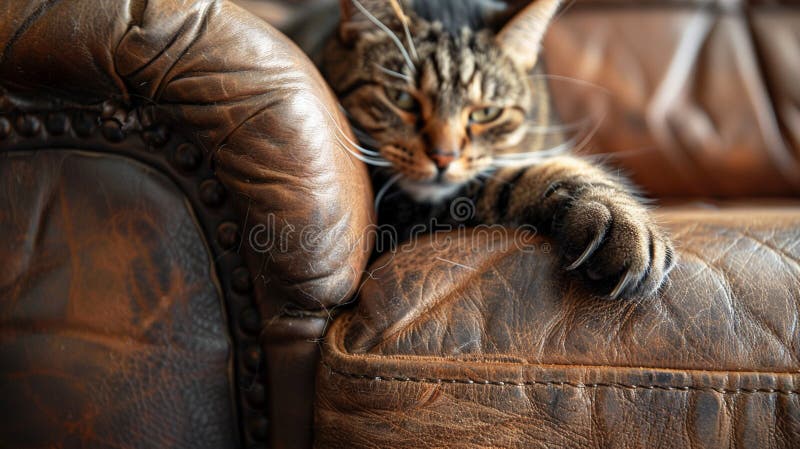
429	192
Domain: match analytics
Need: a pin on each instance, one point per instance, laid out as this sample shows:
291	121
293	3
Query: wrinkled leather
778	42
469	345
236	86
710	363
112	330
695	91
242	92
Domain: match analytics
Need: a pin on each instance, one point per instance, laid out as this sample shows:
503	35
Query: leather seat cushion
112	332
483	342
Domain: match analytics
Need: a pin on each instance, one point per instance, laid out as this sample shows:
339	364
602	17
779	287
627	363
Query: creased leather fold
242	92
481	341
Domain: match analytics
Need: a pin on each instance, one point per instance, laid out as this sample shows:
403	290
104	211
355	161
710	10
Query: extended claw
595	243
622	285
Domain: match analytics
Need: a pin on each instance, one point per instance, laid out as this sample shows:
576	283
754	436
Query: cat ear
521	37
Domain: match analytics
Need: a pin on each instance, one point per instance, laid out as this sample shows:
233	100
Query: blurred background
692	98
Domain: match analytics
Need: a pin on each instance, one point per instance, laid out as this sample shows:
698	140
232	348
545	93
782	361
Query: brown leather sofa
160	160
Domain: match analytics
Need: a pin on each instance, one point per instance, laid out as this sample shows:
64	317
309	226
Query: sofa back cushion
692	98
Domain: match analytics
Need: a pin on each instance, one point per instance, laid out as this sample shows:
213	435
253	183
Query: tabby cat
447	100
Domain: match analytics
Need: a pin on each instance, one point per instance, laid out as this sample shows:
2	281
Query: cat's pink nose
442	159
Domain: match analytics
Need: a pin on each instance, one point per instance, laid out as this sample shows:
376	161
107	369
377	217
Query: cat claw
622	285
587	252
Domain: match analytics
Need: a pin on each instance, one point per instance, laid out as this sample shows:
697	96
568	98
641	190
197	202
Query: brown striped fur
419	101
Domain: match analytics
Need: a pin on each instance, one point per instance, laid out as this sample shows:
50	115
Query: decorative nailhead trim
252	357
112	108
256	395
250	321
156	136
258	427
57	123
579	385
187	157
241	280
5	127
212	193
84	124
28	125
112	131
228	235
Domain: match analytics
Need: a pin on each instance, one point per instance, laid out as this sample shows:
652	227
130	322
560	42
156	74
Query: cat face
444	105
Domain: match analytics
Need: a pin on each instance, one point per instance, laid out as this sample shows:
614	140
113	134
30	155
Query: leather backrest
695	98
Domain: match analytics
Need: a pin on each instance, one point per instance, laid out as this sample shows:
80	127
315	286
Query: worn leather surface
253	102
700	90
112	330
712	363
481	343
238	88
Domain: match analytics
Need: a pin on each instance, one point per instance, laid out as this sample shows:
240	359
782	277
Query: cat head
439	89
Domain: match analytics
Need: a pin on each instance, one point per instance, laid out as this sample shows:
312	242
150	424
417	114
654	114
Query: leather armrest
242	92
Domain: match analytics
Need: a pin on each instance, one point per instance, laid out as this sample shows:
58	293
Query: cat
445	99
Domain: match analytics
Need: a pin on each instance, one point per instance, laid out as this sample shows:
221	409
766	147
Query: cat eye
485	115
401	99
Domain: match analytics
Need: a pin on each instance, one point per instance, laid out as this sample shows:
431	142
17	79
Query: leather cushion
702	92
482	342
112	331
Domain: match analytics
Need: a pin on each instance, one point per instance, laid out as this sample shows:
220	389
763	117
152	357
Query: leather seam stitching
578	385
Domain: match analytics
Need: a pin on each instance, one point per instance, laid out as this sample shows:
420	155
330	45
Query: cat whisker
369	161
372	159
364	155
410	41
491	175
582	144
391	72
374	154
570	79
540	154
404	19
371	153
385	188
388	32
362	136
519	162
366	139
366	151
561	127
587	138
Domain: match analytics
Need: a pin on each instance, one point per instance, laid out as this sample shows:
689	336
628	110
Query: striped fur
448	107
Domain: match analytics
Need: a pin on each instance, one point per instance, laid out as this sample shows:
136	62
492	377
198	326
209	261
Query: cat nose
442	158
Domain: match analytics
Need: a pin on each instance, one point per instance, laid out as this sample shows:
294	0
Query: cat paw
612	242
